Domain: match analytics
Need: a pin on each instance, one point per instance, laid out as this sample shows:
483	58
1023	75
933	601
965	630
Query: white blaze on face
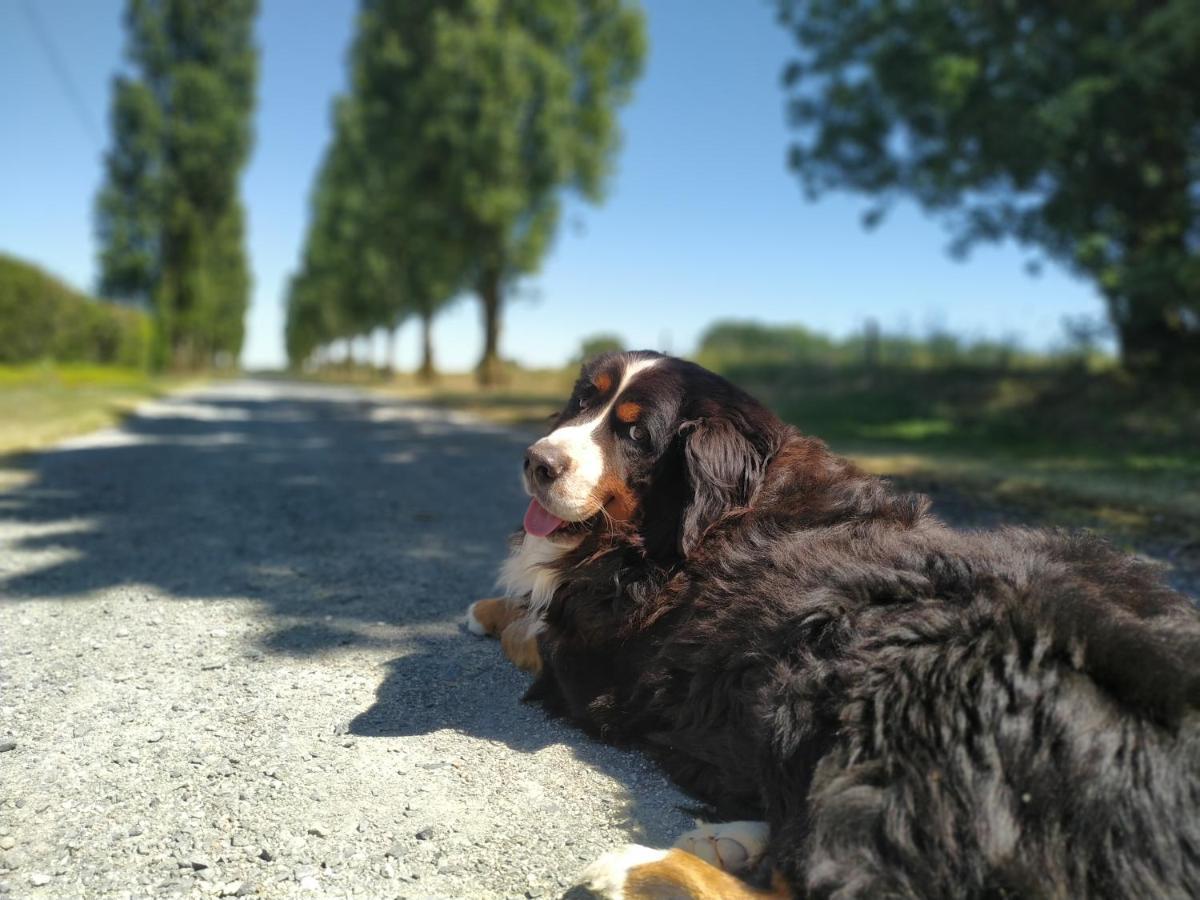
573	494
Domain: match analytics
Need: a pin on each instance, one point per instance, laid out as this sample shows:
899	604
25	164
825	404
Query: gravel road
231	664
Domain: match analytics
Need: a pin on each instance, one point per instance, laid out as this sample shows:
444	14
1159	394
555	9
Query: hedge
41	318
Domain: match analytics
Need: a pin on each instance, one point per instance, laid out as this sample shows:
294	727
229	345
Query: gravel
232	665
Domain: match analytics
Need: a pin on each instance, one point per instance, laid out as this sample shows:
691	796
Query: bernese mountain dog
874	704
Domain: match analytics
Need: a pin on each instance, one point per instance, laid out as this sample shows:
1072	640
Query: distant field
1067	443
42	404
1067	447
530	398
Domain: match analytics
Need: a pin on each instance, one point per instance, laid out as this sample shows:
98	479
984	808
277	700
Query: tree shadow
333	514
462	683
307	503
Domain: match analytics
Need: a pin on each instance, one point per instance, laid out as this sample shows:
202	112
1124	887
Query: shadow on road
454	682
463	683
329	511
309	502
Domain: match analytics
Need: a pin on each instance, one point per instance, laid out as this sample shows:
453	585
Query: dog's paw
731	846
606	877
493	615
473	622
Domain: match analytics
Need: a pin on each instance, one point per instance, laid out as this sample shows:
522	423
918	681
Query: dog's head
657	444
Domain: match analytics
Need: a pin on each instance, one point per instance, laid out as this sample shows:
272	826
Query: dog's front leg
510	621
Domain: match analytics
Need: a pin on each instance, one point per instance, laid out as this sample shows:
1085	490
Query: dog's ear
725	466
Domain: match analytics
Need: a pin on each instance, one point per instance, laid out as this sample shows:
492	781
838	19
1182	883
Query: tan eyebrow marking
602	382
629	411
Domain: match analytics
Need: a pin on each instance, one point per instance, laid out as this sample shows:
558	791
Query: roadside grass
529	398
42	404
1068	446
1064	446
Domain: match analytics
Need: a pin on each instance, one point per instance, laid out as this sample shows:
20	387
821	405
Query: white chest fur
529	572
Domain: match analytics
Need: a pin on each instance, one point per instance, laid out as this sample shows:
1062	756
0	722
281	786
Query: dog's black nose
545	463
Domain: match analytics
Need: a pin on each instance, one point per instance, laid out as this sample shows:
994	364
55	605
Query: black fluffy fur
915	711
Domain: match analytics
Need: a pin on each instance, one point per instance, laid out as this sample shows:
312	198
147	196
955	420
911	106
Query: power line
61	72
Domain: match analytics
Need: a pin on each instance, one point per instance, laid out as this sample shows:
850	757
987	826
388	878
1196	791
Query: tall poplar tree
169	217
378	250
372	257
347	285
127	209
466	121
495	108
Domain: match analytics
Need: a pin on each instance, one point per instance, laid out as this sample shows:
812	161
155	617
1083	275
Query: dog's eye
583	395
636	432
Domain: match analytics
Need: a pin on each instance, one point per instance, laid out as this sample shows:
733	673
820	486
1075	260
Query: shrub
739	344
734	342
41	318
595	344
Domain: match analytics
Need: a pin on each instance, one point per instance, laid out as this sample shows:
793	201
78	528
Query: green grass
1071	447
42	404
1065	446
529	398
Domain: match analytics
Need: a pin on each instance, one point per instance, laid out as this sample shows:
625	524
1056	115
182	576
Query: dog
876	704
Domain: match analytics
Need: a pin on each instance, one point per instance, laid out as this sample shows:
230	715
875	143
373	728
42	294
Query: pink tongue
538	522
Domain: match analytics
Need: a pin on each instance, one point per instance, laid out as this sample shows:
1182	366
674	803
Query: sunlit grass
908	429
1111	489
43	374
42	404
529	398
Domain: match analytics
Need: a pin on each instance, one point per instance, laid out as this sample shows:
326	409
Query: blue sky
702	220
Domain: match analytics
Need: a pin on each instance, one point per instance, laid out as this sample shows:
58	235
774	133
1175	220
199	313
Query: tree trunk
490	371
1154	339
427	373
871	345
184	357
389	352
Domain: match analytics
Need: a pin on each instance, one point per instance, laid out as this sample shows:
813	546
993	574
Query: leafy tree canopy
595	344
1074	128
495	107
169	216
